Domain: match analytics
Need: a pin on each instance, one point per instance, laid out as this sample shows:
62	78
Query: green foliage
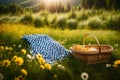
98	4
113	22
38	22
72	14
87	18
83	25
72	23
3	9
82	16
27	19
4	20
95	23
61	22
46	21
53	20
12	9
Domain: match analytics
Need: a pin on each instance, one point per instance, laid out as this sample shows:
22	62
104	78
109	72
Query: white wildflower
108	65
84	76
30	56
61	67
19	45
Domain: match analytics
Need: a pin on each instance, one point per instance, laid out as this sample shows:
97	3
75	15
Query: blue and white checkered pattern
50	49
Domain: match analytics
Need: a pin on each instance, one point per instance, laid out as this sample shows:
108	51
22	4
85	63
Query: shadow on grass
97	71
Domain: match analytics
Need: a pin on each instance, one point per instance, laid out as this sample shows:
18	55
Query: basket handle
84	38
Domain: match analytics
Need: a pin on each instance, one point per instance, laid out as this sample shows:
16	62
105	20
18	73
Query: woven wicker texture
101	54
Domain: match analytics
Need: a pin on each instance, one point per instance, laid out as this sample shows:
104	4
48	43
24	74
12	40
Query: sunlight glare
51	1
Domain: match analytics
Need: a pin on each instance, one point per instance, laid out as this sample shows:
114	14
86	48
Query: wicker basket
102	53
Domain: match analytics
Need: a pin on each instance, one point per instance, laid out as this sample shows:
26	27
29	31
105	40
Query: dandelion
41	60
1	48
1	76
14	58
61	67
48	66
42	67
116	63
20	77
23	71
84	76
6	63
23	51
108	65
38	56
19	61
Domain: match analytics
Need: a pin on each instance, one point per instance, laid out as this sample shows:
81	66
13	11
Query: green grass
11	34
80	19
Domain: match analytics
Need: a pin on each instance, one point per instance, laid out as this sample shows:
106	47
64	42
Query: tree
15	9
68	6
107	4
100	4
3	9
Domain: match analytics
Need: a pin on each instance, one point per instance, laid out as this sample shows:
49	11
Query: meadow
15	60
68	28
74	19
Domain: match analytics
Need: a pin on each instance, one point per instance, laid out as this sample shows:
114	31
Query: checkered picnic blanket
50	49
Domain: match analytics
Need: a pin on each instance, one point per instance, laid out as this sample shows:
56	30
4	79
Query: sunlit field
70	68
67	22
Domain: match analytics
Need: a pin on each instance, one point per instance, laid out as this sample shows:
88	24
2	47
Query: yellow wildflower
14	58
48	66
23	51
116	63
38	56
41	60
6	63
19	61
23	71
42	67
20	77
1	48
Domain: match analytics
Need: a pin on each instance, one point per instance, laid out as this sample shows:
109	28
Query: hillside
28	3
